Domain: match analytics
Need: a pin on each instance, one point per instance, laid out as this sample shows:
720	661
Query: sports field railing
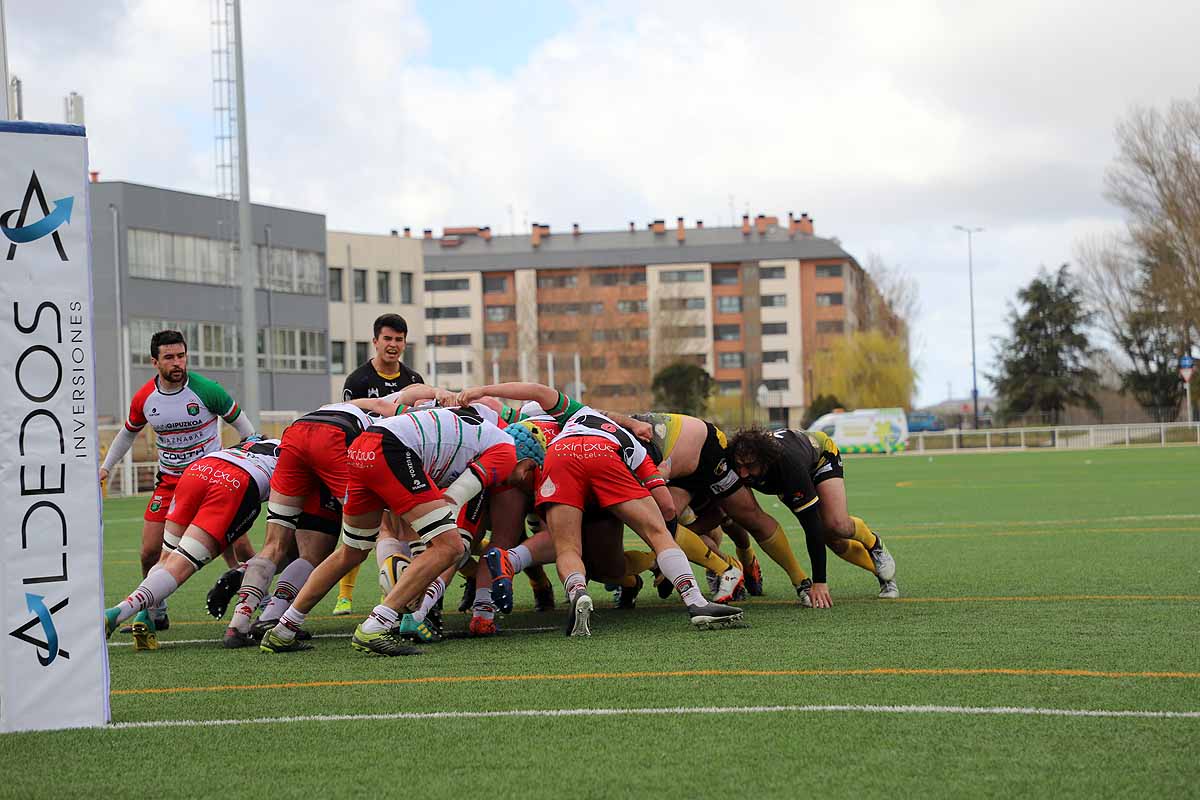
136	474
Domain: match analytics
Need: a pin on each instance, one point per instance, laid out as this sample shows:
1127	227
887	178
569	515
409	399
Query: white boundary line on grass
166	642
622	712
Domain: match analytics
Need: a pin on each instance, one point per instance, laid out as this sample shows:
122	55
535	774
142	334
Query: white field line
346	635
1037	523
635	712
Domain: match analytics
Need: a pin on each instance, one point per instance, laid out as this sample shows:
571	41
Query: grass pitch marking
690	673
629	712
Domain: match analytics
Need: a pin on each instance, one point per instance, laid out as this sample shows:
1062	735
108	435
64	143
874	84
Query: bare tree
1156	179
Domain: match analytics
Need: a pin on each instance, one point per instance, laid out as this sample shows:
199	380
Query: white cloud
889	123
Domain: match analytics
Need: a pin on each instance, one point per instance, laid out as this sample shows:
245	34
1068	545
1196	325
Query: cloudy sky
888	122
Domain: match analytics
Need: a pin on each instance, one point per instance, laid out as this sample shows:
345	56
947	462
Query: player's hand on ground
819	594
103	474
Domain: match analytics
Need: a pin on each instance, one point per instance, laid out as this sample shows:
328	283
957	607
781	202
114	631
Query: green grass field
1031	581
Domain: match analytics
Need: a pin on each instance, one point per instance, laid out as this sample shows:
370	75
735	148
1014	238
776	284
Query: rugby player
214	502
594	462
423	466
804	469
182	407
304	510
382	375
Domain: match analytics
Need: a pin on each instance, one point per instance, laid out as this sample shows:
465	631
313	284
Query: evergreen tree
682	388
1043	366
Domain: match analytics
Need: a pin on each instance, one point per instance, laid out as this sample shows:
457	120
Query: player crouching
216	501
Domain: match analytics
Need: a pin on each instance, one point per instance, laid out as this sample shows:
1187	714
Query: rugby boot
580	615
110	620
383	643
714	615
802	593
754	578
417	631
626	596
145	635
224	590
272	643
161	621
888	590
259	628
664	586
730	582
543	597
482	626
714	581
235	639
343	607
502	575
434	619
885	565
468	597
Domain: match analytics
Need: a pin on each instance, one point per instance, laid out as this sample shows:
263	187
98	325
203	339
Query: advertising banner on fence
53	657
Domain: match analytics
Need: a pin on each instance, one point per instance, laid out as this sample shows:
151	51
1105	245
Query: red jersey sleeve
137	407
494	465
647	473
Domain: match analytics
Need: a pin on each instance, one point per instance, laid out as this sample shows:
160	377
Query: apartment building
370	275
164	259
599	313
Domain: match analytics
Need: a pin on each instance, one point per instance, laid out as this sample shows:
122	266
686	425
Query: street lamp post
971	283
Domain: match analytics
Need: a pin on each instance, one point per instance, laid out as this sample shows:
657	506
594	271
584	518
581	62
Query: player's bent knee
360	538
283	515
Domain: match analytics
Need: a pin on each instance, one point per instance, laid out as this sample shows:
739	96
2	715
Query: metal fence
1064	437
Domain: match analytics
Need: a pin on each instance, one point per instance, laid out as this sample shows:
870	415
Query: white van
867	430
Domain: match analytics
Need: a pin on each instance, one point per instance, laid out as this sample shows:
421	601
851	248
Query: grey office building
172	256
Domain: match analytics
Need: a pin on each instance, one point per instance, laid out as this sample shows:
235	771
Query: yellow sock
346	584
698	552
745	555
856	553
862	533
638	561
780	550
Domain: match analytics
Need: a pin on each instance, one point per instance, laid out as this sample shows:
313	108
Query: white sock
520	558
575	583
483	594
486	610
380	619
153	589
386	548
255	580
286	588
432	594
289	623
675	567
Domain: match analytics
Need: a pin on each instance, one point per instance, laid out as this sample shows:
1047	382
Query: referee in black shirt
379	377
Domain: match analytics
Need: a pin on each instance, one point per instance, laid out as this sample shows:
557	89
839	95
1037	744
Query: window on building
313	356
383	287
684	331
557	281
450	368
500	313
831	326
620	334
775	356
829	270
829	299
771	273
494	283
729	305
557	337
337	357
195	259
447	284
593	362
617	390
633	362
450	340
776	384
774	328
681	276
731	360
284	269
447	312
778	415
681	304
362	353
727	276
335	285
773	300
495	341
727	333
406	288
360	286
729	387
622	278
631	306
699	359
